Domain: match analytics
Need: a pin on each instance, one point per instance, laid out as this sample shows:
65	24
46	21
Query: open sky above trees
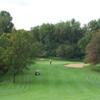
29	13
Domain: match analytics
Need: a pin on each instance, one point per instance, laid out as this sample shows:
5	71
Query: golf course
49	50
55	82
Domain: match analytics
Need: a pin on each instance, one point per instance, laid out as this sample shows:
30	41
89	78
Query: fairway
55	82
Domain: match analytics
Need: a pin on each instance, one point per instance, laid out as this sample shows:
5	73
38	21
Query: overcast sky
29	13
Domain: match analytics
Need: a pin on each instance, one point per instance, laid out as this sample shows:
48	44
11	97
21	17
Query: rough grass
55	83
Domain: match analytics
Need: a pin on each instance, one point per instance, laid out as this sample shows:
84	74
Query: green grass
55	83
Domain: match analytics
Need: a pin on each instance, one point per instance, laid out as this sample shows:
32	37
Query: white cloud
28	13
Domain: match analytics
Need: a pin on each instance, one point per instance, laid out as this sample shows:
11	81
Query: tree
21	52
4	46
16	51
51	36
94	25
5	22
38	49
69	33
83	42
36	34
44	35
93	49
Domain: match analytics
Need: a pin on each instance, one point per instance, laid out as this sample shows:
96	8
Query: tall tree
6	24
21	47
93	49
94	25
16	51
84	41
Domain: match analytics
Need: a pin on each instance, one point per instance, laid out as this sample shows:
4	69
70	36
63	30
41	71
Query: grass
55	83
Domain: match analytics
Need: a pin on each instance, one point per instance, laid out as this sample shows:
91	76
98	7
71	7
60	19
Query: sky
30	13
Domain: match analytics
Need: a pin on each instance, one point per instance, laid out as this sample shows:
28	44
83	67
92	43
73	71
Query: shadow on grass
95	68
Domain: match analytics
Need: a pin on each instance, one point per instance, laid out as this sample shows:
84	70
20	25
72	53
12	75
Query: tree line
66	40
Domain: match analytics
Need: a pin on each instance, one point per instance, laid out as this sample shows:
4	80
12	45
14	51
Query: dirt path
77	65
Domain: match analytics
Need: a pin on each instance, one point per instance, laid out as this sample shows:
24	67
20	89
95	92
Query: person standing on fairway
50	61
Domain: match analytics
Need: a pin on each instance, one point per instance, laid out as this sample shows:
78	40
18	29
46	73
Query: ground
55	82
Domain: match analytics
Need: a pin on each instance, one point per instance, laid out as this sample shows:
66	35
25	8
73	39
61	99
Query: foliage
83	42
93	49
64	51
4	57
94	25
52	37
38	50
5	22
16	50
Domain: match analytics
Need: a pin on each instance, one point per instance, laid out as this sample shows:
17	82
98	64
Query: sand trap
77	65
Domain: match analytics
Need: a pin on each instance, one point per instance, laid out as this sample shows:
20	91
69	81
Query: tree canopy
6	24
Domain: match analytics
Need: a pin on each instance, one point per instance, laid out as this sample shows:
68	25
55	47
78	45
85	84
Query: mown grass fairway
55	83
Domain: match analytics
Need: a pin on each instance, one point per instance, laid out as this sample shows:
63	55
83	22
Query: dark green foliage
4	56
94	25
83	42
47	38
15	52
69	32
5	22
54	37
44	35
64	51
21	51
38	50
